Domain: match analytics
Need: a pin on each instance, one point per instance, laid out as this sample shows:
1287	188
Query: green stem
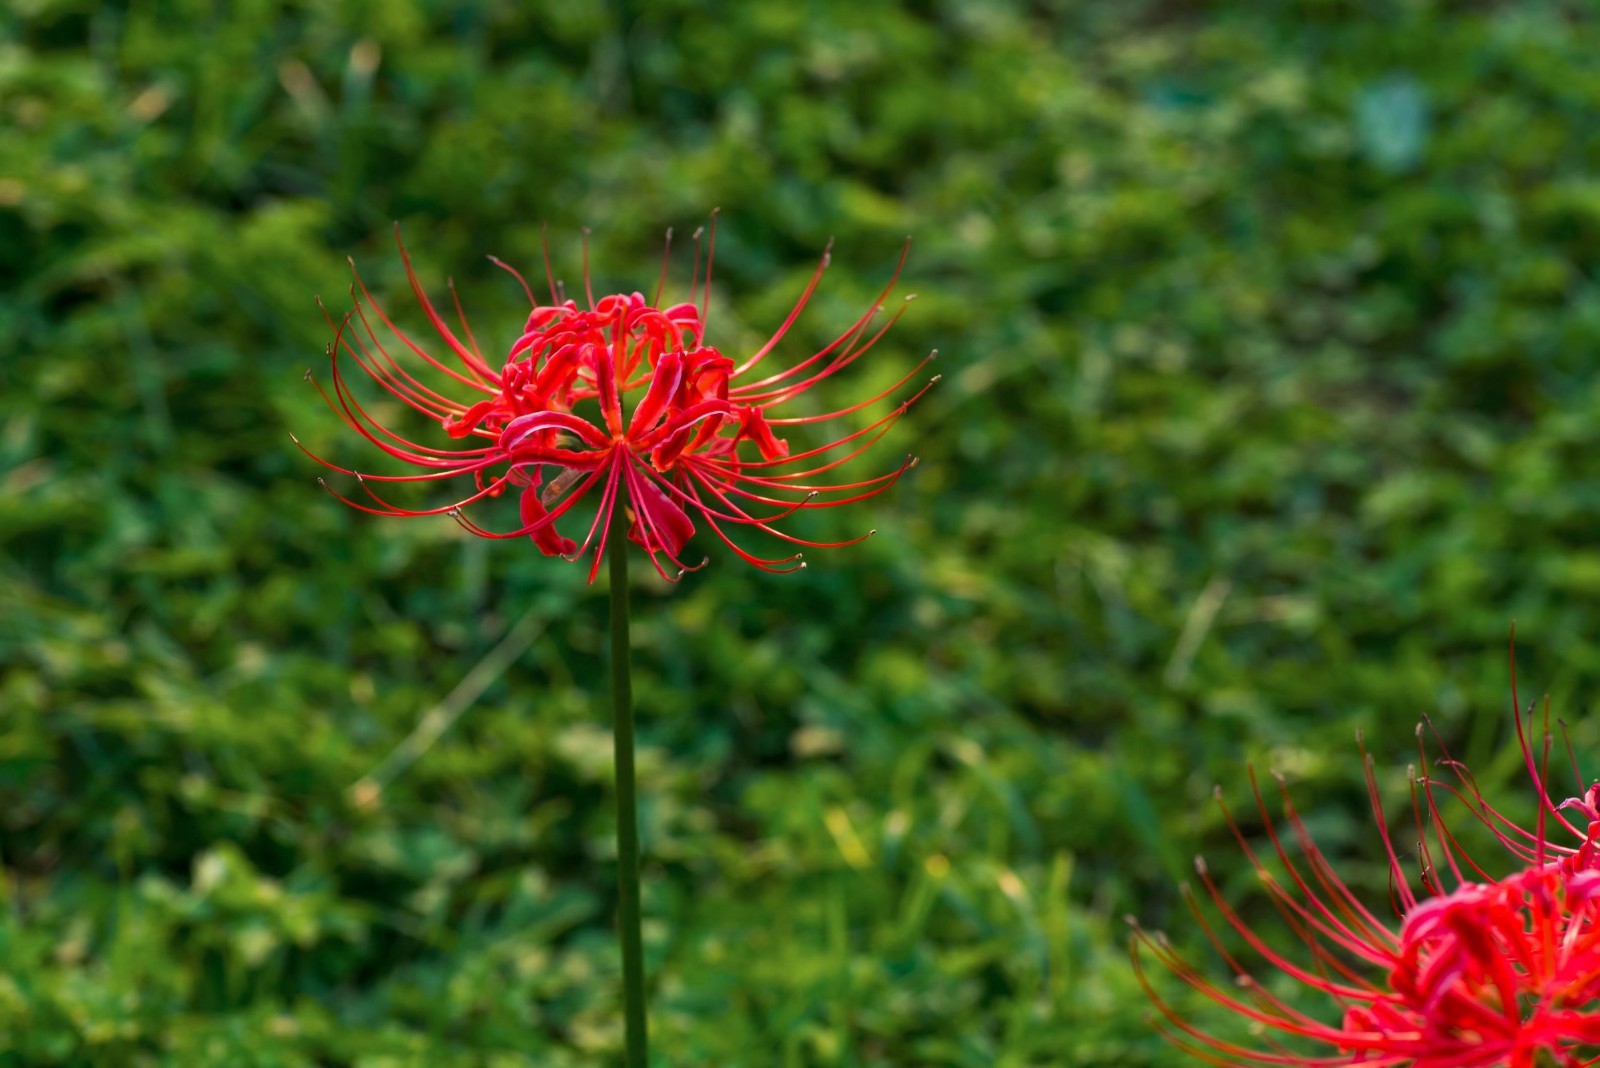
627	801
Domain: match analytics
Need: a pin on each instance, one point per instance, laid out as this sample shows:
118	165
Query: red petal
547	538
753	426
665	526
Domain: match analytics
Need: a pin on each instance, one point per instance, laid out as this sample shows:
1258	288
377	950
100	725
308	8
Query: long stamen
588	289
473	364
796	420
753	395
549	275
694	274
405	338
794	313
357	417
748	520
529	528
666	258
521	281
705	298
466	328
394	378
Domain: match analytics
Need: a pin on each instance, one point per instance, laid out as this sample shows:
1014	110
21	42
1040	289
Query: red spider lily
621	398
1477	972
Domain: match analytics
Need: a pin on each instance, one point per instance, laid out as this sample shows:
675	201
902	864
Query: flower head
619	402
1474	971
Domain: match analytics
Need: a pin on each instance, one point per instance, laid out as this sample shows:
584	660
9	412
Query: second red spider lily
1474	971
623	403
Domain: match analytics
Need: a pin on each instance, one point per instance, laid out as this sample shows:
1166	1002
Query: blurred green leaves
1269	401
1392	122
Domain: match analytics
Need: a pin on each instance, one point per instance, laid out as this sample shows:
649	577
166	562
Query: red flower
1478	972
621	398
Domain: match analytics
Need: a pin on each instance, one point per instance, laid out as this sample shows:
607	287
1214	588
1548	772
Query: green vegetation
1269	340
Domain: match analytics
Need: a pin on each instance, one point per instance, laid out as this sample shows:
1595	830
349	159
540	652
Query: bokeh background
1268	335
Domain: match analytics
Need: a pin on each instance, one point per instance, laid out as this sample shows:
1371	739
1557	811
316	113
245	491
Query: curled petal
520	429
664	383
753	426
544	534
658	524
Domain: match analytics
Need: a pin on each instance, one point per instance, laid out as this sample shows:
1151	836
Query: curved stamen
859	325
789	507
405	338
528	529
452	472
523	282
780	482
752	394
357	418
772	565
794	313
894	476
393	379
746	519
795	420
705	298
666	258
474	364
466	328
392	511
880	425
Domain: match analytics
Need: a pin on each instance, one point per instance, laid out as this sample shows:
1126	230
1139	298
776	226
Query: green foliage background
1268	338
